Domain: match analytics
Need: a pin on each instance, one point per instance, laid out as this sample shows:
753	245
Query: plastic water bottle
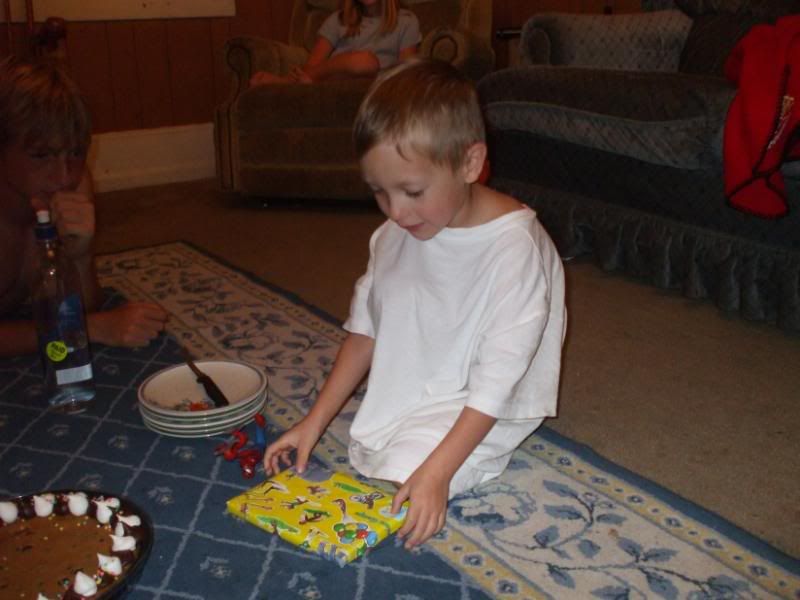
61	323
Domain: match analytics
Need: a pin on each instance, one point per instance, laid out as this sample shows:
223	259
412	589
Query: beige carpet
706	406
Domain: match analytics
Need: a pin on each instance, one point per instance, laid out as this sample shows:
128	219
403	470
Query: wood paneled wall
156	73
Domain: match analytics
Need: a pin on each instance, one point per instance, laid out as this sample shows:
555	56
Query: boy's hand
427	510
73	215
302	437
130	325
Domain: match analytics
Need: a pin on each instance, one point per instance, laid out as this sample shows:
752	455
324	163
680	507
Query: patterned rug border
675	501
706	517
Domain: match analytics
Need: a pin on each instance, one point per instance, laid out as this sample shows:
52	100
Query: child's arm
132	324
357	63
319	53
351	365
129	325
316	64
73	215
427	488
298	74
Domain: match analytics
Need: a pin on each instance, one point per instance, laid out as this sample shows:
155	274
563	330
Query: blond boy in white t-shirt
459	318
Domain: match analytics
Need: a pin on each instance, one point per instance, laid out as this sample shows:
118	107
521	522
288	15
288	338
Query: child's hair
353	11
426	105
41	104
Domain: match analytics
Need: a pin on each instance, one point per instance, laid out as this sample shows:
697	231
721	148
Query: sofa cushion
662	118
333	104
644	41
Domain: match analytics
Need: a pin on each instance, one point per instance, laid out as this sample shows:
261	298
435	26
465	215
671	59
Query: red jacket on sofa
761	128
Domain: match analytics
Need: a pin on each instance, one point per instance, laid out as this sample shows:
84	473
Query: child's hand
427	510
302	437
130	325
73	215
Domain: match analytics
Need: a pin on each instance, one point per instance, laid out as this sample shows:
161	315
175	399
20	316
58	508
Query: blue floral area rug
561	523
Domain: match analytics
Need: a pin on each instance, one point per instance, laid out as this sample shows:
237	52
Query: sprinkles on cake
126	533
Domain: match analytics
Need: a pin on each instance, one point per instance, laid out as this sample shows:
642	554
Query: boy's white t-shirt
385	46
472	317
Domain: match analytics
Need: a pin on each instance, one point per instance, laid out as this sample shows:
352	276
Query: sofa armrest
463	49
633	42
632	95
245	55
669	119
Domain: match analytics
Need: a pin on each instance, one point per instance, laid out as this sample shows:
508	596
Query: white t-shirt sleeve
360	319
510	348
331	29
409	31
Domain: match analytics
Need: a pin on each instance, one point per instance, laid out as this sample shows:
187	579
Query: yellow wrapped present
331	514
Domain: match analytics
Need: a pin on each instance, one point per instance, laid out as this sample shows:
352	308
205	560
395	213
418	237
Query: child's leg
361	63
267	78
409	445
466	478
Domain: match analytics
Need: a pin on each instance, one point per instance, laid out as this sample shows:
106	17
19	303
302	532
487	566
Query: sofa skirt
755	280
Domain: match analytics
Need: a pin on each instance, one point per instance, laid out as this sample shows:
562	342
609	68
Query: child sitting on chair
359	40
44	137
460	316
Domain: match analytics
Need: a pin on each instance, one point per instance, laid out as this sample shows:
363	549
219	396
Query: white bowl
227	421
192	419
170	391
224	428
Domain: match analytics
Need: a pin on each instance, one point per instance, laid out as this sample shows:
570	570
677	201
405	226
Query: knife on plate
211	388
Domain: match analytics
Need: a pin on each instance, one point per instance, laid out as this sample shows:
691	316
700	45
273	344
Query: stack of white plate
166	399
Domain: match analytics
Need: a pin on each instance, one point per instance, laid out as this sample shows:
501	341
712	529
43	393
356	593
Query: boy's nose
397	210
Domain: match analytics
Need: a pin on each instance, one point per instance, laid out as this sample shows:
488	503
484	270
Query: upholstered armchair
294	140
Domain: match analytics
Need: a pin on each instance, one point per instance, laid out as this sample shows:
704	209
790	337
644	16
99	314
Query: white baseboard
143	157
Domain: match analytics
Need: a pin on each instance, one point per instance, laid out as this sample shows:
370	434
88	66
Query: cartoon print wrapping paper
327	513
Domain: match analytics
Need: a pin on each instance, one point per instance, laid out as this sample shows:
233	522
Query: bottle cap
44	230
43	217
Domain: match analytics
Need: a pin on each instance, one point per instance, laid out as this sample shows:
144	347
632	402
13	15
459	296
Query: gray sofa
612	129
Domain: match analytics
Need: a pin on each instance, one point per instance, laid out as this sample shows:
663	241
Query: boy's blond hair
352	12
427	106
41	105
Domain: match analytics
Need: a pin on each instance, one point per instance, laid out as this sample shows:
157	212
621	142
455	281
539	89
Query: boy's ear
473	161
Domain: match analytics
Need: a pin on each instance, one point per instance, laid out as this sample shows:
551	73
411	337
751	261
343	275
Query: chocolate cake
66	545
